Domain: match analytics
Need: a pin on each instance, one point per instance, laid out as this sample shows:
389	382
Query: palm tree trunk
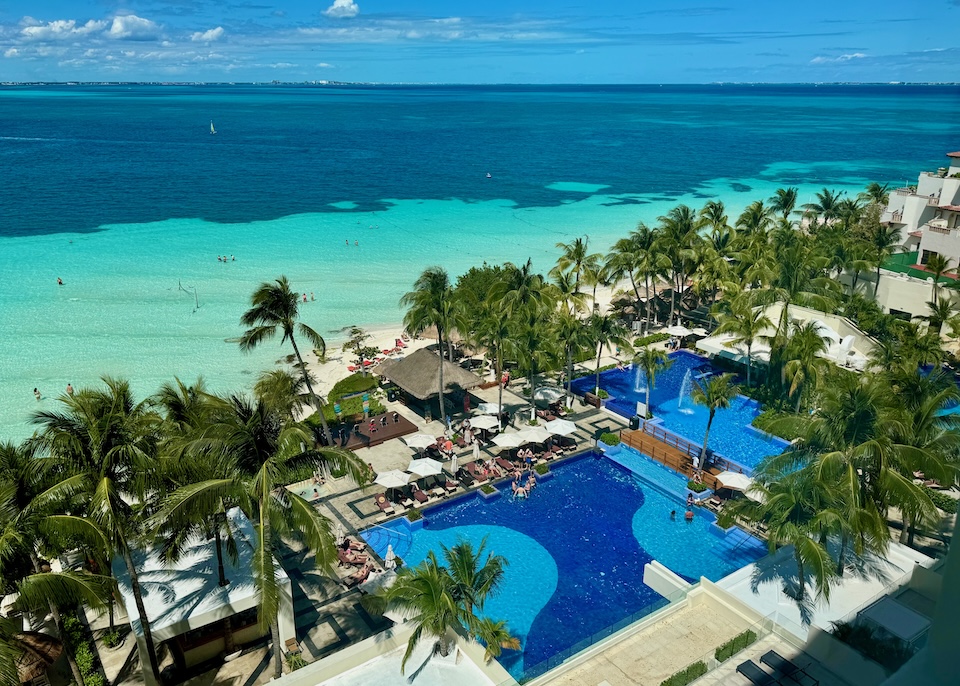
843	552
599	352
646	330
498	366
142	611
801	582
876	287
706	438
749	360
317	403
221	572
673	295
58	621
277	648
853	283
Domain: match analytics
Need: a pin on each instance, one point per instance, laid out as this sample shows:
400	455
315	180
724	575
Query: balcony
933	201
905	191
938	226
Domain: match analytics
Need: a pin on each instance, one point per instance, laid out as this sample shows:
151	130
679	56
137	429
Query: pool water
576	550
731	434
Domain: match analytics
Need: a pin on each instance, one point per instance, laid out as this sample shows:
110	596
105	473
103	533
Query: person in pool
673	514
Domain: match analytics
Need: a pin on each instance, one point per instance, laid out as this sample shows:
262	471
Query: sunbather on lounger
347	558
349	545
358	577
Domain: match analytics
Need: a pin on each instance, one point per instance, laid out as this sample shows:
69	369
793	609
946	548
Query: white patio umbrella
390	559
455	463
535	434
509	440
678	330
425	467
548	394
420	441
560	427
735	481
393	478
476	451
487	408
340	533
484	421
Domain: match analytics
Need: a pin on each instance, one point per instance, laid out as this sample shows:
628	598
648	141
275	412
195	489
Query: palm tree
746	323
939	313
784	201
275	309
755	219
938	265
875	194
607	331
799	279
636	258
283	390
651	360
431	303
262	449
575	337
491	330
805	364
576	258
105	445
439	598
715	394
677	236
825	207
884	240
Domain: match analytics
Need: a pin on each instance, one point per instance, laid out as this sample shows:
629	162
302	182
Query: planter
413	526
702	495
609	449
545	477
489	496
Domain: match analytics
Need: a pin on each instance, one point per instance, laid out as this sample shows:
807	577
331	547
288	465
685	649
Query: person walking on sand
36	394
70	390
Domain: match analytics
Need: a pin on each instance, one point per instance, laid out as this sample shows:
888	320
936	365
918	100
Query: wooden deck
667	449
366	439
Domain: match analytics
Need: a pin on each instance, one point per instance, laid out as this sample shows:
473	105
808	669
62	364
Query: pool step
379	538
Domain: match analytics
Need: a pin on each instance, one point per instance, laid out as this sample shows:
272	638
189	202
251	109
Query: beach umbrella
390	559
488	408
484	421
454	463
392	479
420	441
340	533
560	427
735	481
535	434
425	467
548	394
476	451
678	330
509	440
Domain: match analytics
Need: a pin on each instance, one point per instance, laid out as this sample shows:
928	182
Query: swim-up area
576	550
731	434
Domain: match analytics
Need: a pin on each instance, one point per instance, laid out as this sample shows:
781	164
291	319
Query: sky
494	41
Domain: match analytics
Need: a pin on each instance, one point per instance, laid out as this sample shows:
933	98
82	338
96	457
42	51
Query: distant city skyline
498	41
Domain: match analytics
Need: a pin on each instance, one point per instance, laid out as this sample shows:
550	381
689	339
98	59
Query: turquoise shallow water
123	194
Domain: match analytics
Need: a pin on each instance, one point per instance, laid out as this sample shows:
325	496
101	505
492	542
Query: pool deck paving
727	674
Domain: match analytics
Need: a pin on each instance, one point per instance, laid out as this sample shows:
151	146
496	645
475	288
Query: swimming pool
731	435
576	550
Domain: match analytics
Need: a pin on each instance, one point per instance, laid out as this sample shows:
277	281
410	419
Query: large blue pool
576	550
731	434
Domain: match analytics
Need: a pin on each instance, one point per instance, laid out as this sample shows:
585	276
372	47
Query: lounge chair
435	486
782	665
755	675
505	464
472	469
464	478
357	577
448	485
419	495
385	505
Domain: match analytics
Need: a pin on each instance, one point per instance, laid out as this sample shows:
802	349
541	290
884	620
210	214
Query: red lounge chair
400	343
352	367
385	505
419	496
505	465
450	486
477	475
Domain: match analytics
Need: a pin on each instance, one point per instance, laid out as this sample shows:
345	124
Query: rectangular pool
576	550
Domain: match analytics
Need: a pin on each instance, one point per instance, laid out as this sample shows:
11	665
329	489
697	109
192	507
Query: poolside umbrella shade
535	434
560	427
509	440
735	481
484	421
425	467
678	330
488	408
420	441
390	559
392	479
547	394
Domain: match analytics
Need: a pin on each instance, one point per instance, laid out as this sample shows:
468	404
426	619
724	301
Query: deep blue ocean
123	193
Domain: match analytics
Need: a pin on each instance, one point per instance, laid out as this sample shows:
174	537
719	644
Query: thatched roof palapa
419	374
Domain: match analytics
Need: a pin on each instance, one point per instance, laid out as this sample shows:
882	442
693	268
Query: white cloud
207	36
132	27
342	9
11	52
841	58
58	30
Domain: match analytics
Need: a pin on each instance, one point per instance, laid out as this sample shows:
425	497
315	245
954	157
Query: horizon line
333	82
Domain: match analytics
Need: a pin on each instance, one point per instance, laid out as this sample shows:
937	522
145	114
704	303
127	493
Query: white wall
950	195
929	184
947	244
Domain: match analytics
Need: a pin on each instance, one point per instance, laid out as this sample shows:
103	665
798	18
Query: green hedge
541	469
79	639
414	514
610	438
696	486
652	338
735	645
355	383
487	488
943	501
686	675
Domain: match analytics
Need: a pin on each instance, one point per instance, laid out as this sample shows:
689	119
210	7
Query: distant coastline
387	84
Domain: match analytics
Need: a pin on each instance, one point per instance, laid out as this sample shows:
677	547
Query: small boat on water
489	175
213	131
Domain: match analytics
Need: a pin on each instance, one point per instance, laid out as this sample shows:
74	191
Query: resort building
191	615
928	214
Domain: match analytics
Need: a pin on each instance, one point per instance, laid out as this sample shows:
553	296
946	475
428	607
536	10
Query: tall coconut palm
938	314
491	330
431	303
575	257
104	443
938	265
575	337
755	220
884	240
264	448
746	323
652	360
676	237
825	207
715	393
805	364
876	194
275	308
783	201
606	330
635	258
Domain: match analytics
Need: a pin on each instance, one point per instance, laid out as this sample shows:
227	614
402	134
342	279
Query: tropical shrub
112	638
734	645
943	501
885	650
782	424
602	394
652	338
93	679
610	438
355	383
686	675
541	469
488	489
295	661
696	486
414	514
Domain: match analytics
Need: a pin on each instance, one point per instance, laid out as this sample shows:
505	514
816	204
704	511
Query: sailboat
213	131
